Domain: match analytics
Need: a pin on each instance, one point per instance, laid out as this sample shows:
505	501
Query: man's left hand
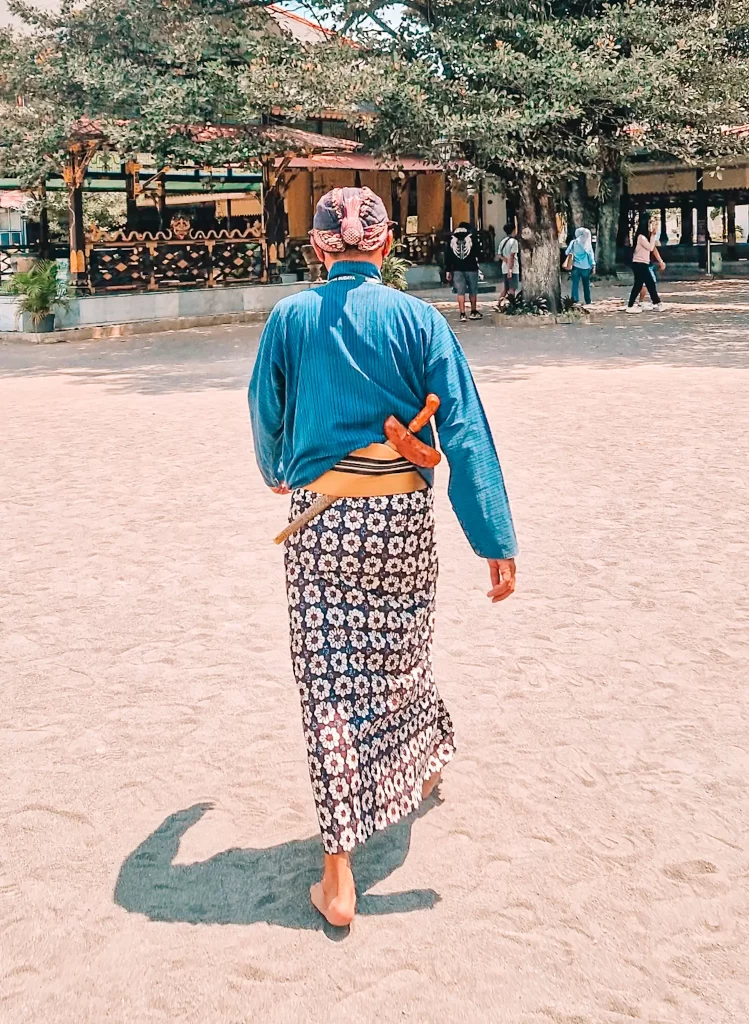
502	572
281	489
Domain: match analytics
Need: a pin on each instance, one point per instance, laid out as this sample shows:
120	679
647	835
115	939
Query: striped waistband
364	466
369	472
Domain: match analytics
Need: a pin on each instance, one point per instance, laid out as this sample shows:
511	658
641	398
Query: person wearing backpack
508	252
462	267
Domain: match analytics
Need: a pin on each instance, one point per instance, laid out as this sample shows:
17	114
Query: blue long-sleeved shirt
335	361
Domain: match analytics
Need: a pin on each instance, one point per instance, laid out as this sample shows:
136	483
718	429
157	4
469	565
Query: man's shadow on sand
248	886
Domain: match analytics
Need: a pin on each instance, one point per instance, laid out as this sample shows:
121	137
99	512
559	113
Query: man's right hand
502	572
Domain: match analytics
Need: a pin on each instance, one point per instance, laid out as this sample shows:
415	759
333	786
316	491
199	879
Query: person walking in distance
462	268
645	243
583	263
656	258
508	252
334	364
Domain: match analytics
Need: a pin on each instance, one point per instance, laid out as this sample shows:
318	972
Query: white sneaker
647	305
658	308
634	309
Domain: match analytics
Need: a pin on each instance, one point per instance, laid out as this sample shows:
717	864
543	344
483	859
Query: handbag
568	260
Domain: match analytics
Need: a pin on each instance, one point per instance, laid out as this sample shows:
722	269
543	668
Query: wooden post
447	210
664	229
622	234
74	173
687	235
703	233
43	223
275	184
161	201
395	202
731	234
130	170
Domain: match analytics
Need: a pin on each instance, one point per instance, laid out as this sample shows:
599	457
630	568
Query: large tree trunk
608	223
539	244
582	208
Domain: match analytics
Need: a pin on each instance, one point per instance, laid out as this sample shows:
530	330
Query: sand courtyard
587	860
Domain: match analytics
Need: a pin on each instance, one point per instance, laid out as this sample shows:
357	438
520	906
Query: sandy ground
588	862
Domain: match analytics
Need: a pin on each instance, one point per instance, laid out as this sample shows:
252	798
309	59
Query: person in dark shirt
462	268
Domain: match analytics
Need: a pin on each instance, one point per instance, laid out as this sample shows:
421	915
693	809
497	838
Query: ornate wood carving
148	262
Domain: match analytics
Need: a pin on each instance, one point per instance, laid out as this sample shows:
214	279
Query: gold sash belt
362	485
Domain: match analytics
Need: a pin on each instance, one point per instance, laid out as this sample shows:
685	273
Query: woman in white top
645	243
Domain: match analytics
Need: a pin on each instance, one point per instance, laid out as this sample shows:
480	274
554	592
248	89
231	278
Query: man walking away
462	268
509	253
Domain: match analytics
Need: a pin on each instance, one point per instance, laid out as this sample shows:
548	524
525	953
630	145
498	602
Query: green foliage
38	291
394	272
146	71
550	90
516	305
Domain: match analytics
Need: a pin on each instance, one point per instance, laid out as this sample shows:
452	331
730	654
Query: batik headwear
350	218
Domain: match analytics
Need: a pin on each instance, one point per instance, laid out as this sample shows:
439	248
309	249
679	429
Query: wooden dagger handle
319	505
431	405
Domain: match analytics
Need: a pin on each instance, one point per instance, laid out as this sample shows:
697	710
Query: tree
187	81
541	93
145	73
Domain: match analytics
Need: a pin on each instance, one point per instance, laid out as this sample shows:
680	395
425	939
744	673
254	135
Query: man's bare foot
430	784
335	895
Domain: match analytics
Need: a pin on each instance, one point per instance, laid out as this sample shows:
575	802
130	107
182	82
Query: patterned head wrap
350	218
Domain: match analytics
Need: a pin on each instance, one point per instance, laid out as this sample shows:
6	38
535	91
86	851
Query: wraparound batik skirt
361	582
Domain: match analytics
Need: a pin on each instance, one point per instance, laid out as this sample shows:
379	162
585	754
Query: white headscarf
584	240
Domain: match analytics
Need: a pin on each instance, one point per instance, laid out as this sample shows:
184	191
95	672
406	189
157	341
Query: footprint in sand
579	766
616	846
689	870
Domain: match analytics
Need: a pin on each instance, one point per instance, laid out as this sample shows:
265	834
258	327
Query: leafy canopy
554	89
143	71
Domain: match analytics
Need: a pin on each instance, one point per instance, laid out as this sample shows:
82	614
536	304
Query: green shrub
38	291
394	272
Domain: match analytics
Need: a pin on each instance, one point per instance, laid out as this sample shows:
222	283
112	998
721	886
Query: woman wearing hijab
583	263
334	363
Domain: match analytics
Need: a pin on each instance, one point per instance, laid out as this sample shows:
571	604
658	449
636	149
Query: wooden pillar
702	227
74	172
44	249
471	196
664	229
731	233
161	201
275	219
687	235
622	234
130	170
448	207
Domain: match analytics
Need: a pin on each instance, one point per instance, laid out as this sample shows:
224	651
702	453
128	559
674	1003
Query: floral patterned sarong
361	582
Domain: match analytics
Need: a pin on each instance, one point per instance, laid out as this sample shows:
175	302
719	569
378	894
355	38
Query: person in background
509	253
645	244
583	263
462	268
657	258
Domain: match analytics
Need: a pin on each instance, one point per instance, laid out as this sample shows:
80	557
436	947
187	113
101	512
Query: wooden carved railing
178	258
417	248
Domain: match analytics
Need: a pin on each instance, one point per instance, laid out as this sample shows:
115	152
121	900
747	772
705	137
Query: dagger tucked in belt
400	439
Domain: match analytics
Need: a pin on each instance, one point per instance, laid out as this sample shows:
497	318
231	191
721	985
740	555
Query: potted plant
394	272
39	294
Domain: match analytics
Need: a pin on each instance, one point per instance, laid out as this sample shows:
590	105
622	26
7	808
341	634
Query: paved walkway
588	862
